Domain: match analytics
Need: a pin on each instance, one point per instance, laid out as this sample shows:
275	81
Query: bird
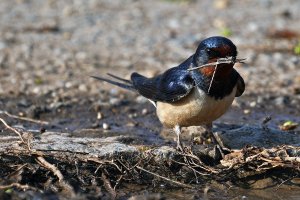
196	92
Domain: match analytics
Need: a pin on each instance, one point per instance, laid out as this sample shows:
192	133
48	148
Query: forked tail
126	85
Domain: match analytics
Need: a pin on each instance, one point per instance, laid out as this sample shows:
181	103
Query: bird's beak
227	60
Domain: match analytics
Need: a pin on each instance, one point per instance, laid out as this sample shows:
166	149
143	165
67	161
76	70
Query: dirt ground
49	49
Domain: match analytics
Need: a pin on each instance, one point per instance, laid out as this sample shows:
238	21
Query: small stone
24	103
144	111
221	4
262	183
36	90
105	126
114	101
82	87
252	104
131	124
174	24
21	114
283	100
260	100
68	84
247	111
99	115
252	26
114	92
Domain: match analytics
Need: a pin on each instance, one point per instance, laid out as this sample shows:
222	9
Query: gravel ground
49	48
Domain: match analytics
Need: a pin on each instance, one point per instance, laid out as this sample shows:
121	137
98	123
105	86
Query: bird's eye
212	53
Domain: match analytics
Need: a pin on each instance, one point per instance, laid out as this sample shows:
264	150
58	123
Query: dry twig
220	61
24	118
67	187
17	185
108	187
50	167
165	178
14	130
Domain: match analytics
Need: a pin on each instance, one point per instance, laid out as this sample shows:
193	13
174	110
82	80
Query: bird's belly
195	109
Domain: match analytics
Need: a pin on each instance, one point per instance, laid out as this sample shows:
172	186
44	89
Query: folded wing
169	87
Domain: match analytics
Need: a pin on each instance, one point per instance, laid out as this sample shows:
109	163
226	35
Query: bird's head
214	50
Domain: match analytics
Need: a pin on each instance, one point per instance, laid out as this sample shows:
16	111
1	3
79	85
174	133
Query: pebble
36	90
114	101
247	111
114	92
282	100
99	115
144	111
260	99
221	4
105	126
83	88
252	104
24	103
252	27
68	84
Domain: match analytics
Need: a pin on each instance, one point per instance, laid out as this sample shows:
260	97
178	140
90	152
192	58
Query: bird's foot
217	140
177	130
179	145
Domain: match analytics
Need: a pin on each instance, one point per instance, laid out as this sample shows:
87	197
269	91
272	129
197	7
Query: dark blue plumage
177	82
170	86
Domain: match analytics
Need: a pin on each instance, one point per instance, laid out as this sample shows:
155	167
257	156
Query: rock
114	149
262	183
164	153
99	147
257	136
105	126
114	101
36	111
282	100
145	111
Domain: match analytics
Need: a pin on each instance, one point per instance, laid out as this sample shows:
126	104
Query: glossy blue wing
168	87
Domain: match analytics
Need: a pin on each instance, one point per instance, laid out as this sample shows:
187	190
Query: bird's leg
209	132
208	128
177	130
216	139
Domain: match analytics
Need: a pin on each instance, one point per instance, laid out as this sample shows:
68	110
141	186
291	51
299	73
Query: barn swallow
196	92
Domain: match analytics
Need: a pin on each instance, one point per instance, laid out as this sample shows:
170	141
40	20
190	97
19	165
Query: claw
177	130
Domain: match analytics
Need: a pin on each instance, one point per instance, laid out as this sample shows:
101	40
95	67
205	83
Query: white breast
195	109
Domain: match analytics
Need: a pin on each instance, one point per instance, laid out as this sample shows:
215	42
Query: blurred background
49	48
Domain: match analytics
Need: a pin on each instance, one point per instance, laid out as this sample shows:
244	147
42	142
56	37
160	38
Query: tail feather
128	86
119	78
